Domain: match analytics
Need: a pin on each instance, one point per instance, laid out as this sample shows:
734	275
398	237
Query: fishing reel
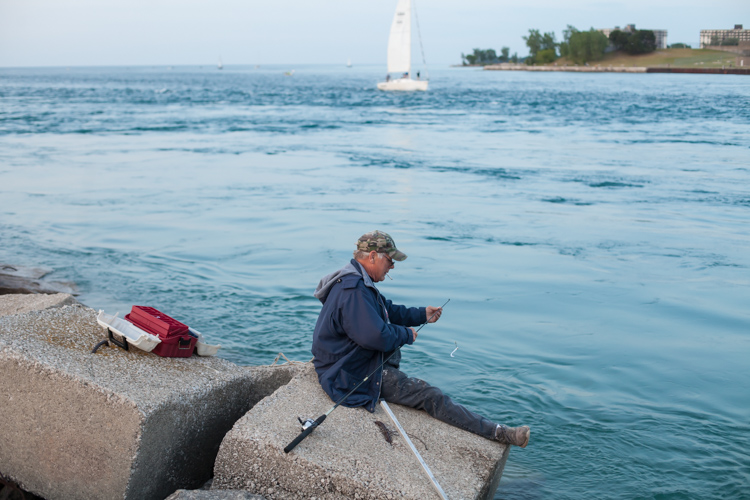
306	423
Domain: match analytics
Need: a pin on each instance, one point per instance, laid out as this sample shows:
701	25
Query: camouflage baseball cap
380	242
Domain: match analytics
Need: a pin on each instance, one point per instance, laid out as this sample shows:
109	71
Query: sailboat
399	52
220	65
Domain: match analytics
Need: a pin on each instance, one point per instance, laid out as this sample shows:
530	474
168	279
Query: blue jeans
399	388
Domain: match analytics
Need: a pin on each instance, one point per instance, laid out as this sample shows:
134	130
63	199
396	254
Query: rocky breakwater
578	69
353	454
112	425
16	279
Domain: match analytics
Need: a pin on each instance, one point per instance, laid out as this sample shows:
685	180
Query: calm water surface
591	232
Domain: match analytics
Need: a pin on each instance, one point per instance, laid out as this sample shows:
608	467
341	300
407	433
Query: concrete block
266	379
348	456
112	425
21	303
213	495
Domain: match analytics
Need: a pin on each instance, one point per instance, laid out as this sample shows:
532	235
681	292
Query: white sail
399	43
399	52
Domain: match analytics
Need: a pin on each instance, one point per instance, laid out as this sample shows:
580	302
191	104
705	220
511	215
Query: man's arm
361	320
405	316
412	316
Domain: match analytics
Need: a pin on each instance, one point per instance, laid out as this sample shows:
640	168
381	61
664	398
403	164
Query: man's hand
414	333
433	314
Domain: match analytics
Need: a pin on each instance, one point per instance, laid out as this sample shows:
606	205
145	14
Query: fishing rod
309	425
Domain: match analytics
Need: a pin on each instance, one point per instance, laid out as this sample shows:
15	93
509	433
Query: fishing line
309	425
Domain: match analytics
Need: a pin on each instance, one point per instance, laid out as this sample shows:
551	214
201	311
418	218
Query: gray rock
20	279
348	456
115	424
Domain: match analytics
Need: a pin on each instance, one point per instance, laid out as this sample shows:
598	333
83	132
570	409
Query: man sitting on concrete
358	328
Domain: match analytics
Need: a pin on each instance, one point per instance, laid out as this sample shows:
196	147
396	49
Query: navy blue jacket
356	330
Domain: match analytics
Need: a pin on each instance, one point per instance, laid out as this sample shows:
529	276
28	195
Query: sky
186	32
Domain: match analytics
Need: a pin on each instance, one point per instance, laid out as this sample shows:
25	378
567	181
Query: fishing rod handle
304	434
299	439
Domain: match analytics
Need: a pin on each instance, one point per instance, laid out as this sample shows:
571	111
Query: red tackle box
177	346
176	341
156	322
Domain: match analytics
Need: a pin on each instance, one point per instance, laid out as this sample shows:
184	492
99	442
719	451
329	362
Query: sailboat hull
403	84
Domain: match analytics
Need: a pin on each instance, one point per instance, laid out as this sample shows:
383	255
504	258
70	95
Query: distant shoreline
617	69
716	61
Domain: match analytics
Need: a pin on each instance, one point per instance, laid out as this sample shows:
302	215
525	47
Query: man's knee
433	398
415	385
410	391
422	395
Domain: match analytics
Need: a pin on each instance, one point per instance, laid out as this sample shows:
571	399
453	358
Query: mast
421	48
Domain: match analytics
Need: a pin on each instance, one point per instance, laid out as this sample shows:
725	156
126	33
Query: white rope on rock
288	361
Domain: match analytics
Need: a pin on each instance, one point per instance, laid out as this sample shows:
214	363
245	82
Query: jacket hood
324	287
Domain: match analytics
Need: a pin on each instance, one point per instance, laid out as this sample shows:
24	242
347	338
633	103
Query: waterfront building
660	35
715	37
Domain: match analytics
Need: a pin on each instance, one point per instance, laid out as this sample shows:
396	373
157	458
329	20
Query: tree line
488	56
580	47
715	40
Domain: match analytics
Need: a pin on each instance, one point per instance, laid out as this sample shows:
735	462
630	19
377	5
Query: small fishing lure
384	430
454	350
